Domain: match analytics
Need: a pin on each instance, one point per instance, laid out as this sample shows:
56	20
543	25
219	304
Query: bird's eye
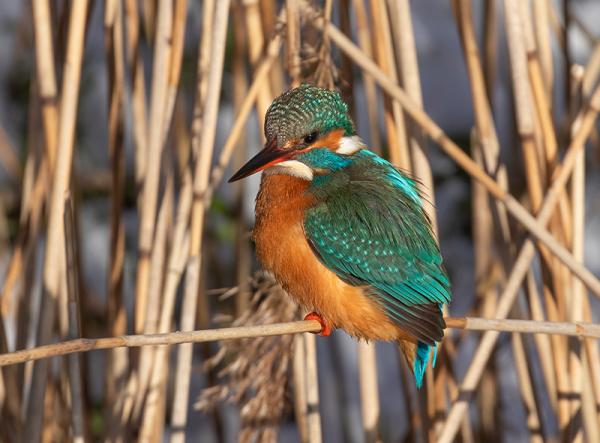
310	137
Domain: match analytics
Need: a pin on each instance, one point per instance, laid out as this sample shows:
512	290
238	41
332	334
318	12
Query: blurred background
142	109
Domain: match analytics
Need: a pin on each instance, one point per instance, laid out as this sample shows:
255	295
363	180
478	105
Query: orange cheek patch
330	141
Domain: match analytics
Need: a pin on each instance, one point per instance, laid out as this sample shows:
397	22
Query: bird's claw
325	329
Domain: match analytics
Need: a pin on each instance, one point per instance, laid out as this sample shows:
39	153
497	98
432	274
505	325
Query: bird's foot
325	329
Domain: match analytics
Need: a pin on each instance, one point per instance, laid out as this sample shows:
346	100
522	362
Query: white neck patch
291	167
350	145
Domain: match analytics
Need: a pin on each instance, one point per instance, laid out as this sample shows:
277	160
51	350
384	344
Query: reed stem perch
576	329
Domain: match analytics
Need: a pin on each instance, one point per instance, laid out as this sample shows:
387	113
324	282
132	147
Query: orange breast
282	248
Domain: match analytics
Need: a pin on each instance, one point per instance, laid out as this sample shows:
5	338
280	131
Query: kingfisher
343	231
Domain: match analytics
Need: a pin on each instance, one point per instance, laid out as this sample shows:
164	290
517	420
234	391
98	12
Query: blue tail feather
434	359
421	359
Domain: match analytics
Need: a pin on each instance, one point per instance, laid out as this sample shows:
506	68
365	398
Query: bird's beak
269	156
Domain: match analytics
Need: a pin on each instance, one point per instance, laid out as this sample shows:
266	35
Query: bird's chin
294	168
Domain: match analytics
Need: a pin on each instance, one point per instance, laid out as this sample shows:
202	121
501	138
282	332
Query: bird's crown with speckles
305	109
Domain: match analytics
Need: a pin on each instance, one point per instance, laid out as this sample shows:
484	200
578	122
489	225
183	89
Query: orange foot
325	329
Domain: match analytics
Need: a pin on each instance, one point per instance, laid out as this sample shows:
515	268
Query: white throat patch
291	167
350	145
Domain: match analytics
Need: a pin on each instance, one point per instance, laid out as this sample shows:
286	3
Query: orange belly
282	248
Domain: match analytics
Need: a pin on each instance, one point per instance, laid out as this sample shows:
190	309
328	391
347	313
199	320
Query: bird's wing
378	236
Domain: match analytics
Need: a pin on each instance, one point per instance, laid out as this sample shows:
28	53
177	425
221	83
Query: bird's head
308	131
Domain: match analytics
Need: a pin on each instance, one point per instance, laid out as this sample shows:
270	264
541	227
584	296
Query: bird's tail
417	355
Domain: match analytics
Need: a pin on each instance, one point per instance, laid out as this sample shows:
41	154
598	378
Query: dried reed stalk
155	291
533	421
518	40
299	377
206	142
543	108
46	76
151	180
364	41
243	253
45	94
78	410
158	255
409	70
8	157
256	47
490	37
578	329
260	76
271	22
393	117
543	342
409	78
369	395
178	34
292	33
180	241
160	78
575	309
487	151
541	19
313	417
54	257
138	94
116	314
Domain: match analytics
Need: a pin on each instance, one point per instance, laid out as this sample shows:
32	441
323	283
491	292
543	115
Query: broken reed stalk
573	329
54	255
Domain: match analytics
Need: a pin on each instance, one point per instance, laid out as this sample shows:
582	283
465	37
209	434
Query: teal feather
420	363
369	227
